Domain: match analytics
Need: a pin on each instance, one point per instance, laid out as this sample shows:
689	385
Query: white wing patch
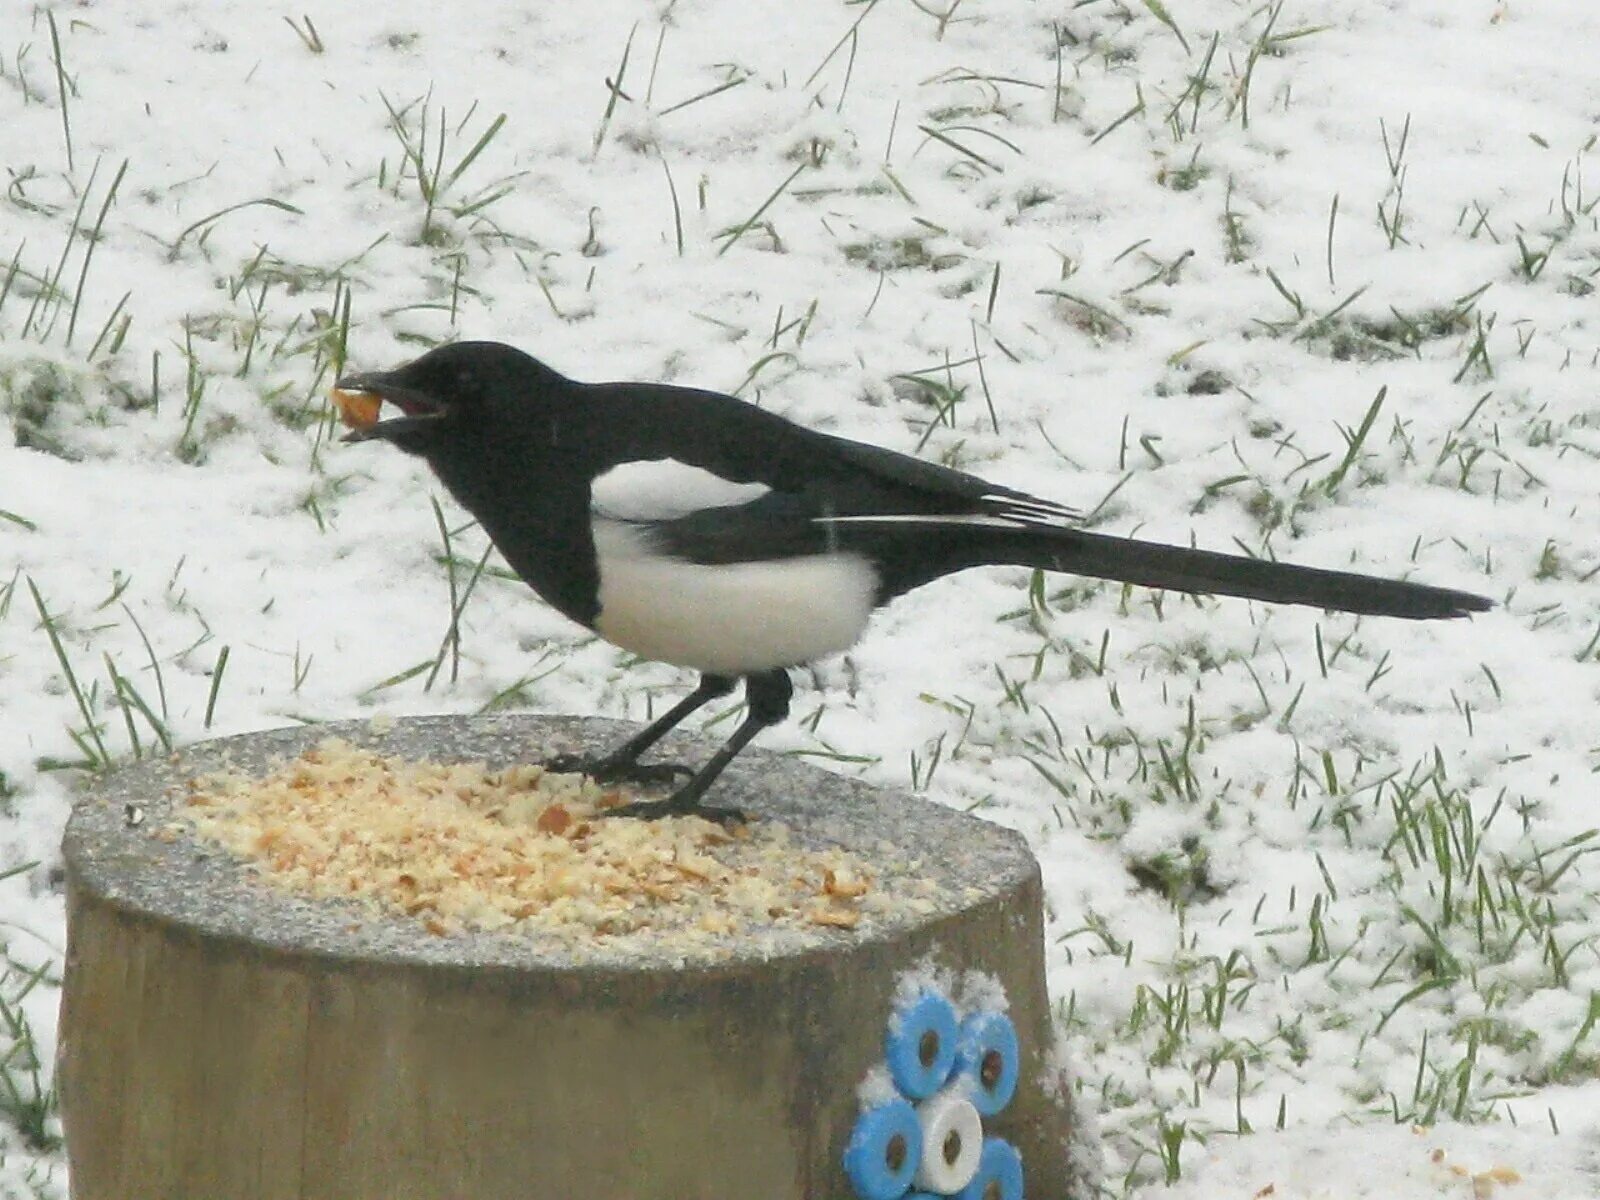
989	520
1007	512
1001	512
663	490
1032	507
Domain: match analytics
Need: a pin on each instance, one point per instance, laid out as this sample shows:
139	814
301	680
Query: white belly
731	619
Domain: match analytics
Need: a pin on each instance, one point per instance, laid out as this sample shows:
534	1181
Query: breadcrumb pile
463	846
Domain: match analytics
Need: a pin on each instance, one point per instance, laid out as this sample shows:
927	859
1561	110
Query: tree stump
222	1039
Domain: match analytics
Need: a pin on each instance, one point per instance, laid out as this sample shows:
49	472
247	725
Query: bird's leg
768	696
622	764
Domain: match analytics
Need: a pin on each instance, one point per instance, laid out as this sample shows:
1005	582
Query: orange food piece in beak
358	410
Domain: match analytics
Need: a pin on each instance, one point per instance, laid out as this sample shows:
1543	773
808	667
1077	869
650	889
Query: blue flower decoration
884	1151
989	1060
920	1045
957	1070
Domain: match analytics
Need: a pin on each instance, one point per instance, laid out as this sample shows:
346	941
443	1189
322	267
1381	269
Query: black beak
359	398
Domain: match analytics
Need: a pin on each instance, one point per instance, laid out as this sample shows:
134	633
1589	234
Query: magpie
694	528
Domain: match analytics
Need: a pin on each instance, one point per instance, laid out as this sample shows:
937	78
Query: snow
1301	870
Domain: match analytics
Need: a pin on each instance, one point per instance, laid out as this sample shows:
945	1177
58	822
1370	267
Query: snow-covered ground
1312	278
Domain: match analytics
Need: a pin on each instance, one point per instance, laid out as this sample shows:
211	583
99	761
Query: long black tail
1182	569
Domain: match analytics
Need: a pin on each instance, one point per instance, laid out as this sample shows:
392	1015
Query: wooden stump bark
223	1040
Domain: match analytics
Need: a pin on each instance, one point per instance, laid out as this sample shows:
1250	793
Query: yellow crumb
358	410
464	846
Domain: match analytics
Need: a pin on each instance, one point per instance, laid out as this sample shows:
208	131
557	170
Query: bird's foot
603	770
655	810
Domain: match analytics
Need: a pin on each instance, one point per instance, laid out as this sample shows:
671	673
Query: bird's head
441	396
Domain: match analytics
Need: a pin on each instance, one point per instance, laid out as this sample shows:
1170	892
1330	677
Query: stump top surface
124	846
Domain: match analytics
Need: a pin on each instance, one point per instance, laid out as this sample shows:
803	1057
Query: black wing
914	520
917	520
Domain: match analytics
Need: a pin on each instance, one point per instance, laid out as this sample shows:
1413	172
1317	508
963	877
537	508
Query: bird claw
680	804
603	771
656	810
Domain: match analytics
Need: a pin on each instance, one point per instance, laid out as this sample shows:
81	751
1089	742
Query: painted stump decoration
952	1063
860	1009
